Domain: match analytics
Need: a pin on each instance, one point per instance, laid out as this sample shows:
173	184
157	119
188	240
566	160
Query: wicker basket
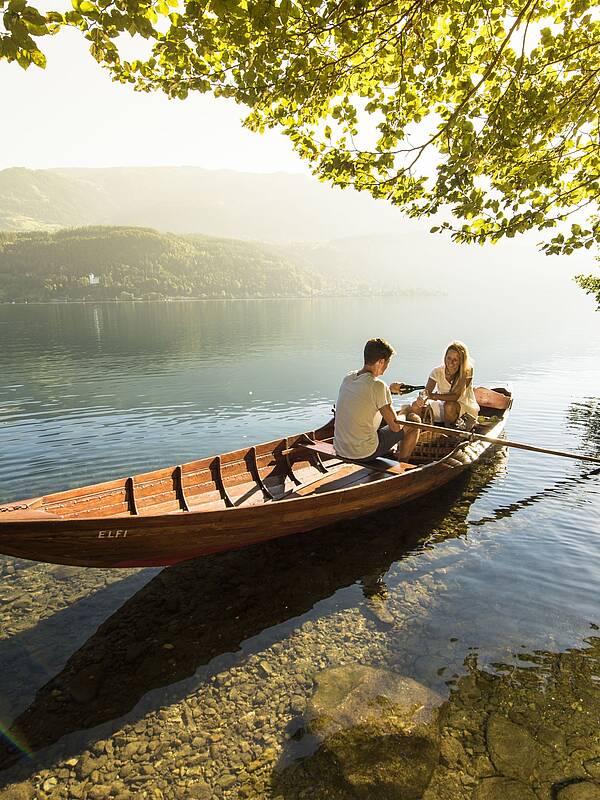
432	444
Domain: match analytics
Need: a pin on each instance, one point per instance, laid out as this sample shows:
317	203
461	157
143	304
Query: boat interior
298	466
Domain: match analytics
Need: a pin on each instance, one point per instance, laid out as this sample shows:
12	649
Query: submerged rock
584	790
354	695
18	791
376	734
503	789
513	751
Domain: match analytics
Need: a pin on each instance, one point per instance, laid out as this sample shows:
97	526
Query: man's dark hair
376	349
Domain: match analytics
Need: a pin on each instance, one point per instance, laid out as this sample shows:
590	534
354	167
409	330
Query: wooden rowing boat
232	500
166	630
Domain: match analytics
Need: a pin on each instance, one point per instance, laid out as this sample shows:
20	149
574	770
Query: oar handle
501	442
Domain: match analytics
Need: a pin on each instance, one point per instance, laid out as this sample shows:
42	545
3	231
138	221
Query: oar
501	442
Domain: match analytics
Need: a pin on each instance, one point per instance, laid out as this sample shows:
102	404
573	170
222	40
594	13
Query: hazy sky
72	114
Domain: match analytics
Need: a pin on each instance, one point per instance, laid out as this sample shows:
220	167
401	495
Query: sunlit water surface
217	658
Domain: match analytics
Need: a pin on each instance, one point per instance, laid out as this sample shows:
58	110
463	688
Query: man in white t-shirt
363	402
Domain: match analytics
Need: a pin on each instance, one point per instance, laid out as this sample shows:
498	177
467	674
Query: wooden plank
146	491
112	510
336	479
94	502
194	498
154	475
97	489
154	499
379	465
198	481
163	507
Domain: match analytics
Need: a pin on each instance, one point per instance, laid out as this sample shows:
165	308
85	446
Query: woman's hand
418	404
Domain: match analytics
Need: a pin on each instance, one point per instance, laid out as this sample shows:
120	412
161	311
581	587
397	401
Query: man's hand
396	388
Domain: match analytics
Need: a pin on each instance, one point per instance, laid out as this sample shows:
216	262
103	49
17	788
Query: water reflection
558	489
585	415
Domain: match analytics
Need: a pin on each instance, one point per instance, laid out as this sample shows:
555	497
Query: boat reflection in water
193	613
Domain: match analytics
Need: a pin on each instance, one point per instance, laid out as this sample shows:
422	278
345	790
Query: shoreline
416	293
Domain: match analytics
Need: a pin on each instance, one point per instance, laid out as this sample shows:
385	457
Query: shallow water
198	680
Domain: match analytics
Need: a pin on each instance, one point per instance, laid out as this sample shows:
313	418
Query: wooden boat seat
378	464
152	509
341	478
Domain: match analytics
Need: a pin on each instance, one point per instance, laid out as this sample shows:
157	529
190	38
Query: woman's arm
451	396
439	395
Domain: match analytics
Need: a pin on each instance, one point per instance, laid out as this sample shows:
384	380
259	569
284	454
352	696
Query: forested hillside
128	263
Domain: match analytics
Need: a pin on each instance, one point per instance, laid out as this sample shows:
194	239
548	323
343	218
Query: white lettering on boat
116	534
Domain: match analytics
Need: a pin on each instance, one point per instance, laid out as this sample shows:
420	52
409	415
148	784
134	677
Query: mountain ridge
270	207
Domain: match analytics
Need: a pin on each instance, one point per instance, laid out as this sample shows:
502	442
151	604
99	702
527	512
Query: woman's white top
467	402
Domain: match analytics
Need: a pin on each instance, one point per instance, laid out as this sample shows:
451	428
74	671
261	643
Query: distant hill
420	262
344	237
272	207
140	262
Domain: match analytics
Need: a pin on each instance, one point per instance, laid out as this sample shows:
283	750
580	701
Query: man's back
357	415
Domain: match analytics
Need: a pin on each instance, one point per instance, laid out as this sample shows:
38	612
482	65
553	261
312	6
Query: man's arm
390	418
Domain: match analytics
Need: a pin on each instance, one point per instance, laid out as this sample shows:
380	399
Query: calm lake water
197	681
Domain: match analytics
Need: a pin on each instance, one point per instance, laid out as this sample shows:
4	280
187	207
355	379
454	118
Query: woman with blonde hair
449	390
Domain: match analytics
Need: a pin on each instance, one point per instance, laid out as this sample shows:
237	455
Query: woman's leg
451	412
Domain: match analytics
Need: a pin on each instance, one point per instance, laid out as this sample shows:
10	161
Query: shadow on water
34	655
196	612
525	731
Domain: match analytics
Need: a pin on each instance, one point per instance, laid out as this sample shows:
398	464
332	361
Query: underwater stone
579	791
503	789
514	752
379	732
17	791
354	694
592	767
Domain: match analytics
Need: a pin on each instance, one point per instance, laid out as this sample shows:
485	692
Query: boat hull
171	538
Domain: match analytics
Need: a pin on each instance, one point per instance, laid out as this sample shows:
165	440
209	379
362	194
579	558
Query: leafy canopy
483	112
